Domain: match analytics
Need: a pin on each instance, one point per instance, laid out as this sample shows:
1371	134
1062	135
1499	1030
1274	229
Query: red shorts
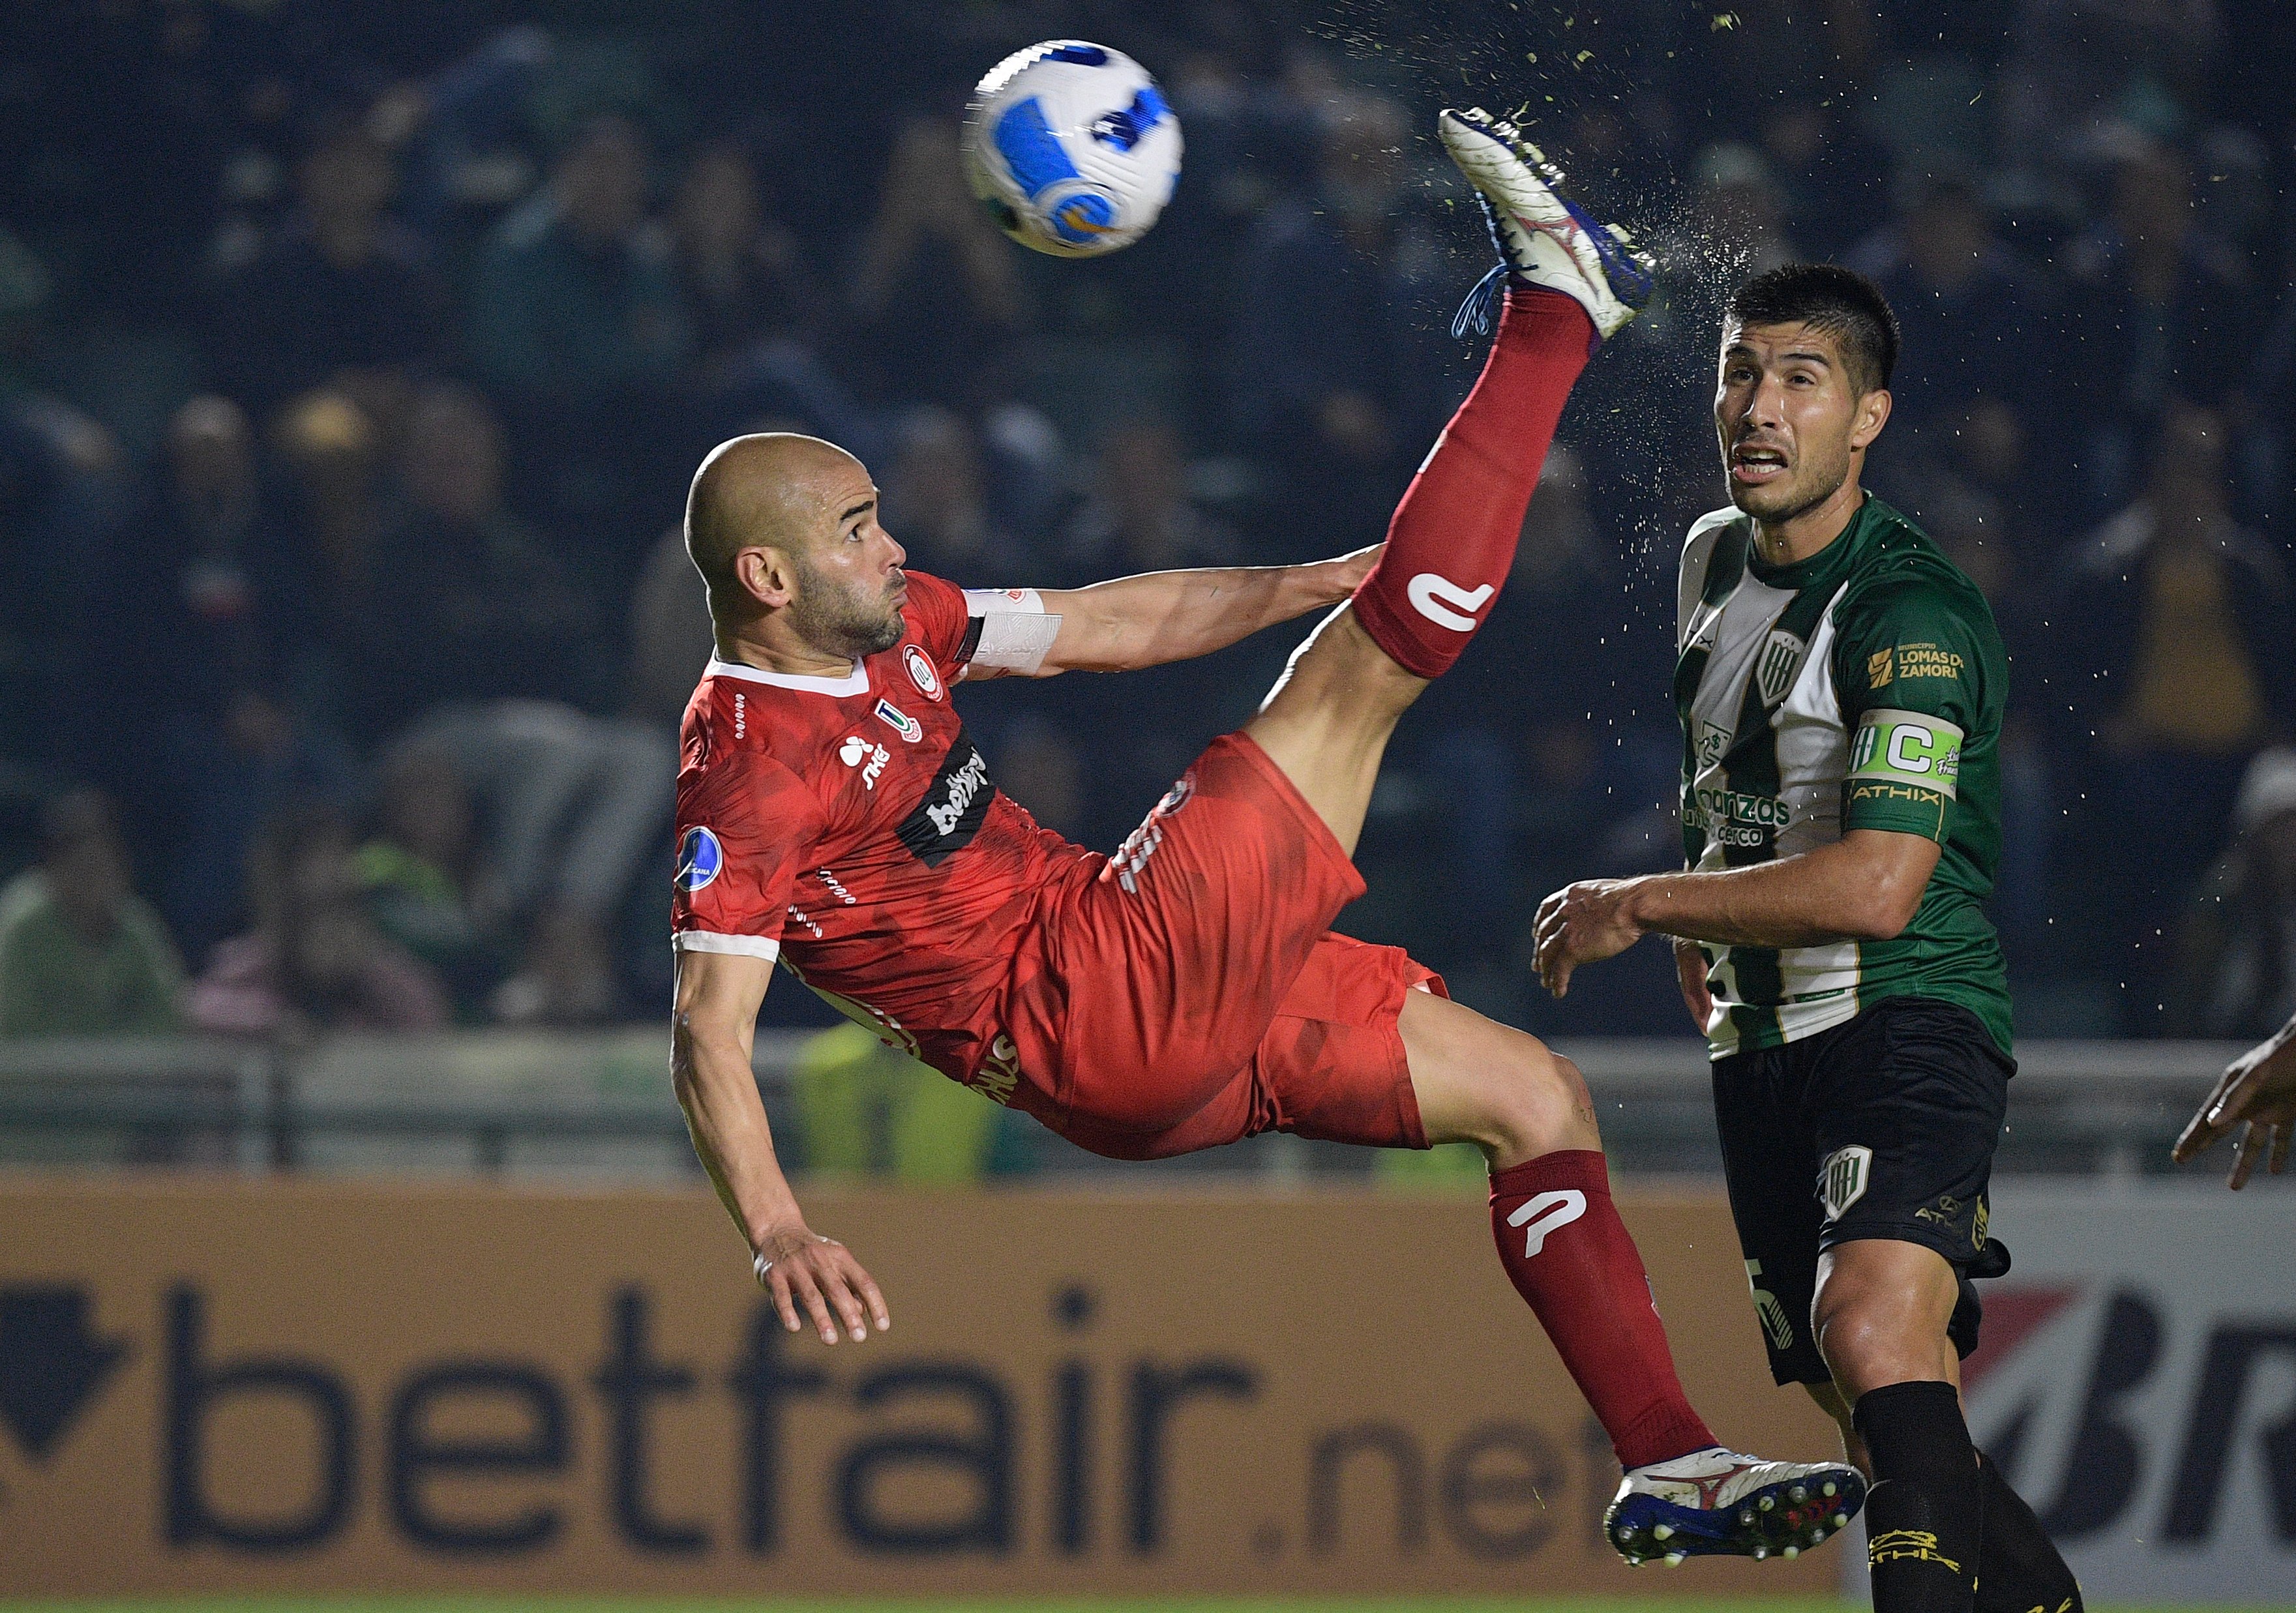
1188	992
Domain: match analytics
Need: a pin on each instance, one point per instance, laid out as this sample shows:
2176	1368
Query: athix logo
1546	1213
1446	603
900	720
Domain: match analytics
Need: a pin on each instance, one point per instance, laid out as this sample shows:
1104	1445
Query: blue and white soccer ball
1072	148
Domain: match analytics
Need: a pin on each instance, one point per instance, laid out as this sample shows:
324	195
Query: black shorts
1881	1127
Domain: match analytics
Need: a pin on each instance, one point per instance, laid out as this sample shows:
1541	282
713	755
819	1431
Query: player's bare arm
1865	887
712	1031
1158	617
2256	1097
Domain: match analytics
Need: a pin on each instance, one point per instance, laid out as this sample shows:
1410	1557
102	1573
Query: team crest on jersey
1773	673
700	859
921	673
900	720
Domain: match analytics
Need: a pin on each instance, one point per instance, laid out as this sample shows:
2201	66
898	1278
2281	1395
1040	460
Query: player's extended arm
1175	616
2257	1093
1865	887
713	1029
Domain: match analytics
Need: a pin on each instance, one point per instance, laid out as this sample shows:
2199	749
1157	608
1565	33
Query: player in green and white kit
1839	686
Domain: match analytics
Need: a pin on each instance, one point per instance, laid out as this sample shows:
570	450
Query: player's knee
1539	1104
1870	1337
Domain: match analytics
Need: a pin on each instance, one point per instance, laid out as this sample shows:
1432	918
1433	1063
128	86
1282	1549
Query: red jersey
849	826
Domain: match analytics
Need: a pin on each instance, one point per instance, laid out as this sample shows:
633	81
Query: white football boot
1543	238
1717	1503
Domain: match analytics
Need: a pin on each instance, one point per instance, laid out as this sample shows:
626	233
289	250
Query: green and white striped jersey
1861	688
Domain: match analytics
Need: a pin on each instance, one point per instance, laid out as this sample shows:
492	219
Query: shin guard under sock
1452	540
1572	1259
2023	1571
1925	1517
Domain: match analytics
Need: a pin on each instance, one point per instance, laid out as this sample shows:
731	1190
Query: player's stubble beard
841	622
1810	483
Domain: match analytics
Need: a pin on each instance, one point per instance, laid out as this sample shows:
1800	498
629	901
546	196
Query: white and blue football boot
1543	238
1717	1503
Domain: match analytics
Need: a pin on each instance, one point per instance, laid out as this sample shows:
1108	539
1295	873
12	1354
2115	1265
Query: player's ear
765	576
1871	414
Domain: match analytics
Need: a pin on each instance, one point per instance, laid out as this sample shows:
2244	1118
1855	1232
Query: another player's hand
1690	969
2257	1093
799	1266
1583	923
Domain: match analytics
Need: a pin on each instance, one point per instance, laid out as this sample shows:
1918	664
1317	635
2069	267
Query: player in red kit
834	817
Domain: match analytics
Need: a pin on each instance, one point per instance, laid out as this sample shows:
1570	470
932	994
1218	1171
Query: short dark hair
1840	302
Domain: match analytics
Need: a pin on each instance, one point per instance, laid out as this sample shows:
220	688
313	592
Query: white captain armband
1009	630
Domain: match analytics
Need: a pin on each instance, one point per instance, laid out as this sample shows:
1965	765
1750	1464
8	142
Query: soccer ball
1072	148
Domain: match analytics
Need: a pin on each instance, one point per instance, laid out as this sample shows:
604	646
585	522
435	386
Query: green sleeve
1912	663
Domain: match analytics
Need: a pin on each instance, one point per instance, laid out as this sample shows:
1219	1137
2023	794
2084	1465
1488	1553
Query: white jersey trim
855	682
742	946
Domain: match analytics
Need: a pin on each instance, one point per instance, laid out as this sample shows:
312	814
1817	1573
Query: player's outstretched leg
1570	282
1570	1255
1452	541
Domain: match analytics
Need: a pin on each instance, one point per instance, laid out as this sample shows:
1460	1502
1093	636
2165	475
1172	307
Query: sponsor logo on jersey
900	720
921	673
1842	1178
949	815
1446	603
1880	666
1713	743
700	859
1733	806
1928	660
1773	673
1546	1213
854	750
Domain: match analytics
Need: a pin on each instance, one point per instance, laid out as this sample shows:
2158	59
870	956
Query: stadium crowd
354	357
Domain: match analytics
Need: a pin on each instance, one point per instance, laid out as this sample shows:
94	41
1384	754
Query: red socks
1571	1258
1452	540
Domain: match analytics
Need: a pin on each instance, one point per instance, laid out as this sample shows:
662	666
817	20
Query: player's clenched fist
2257	1095
801	1267
1583	923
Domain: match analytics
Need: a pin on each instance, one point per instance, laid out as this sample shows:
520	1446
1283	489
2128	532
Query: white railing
598	1104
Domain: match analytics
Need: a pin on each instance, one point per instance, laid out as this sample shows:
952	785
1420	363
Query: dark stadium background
355	356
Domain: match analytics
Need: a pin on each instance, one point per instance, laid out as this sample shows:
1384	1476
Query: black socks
2018	1569
1924	1519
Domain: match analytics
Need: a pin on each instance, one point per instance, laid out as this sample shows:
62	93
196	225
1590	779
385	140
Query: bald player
835	817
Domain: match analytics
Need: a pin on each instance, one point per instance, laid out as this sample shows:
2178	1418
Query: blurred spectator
417	873
572	806
80	953
1831	178
1742	210
1974	320
671	638
2237	967
937	505
936	290
2179	669
1336	377
1139	516
574	303
474	604
314	961
743	276
2166	309
342	299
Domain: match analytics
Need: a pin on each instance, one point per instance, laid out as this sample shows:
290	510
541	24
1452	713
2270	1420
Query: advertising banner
223	1386
2137	1384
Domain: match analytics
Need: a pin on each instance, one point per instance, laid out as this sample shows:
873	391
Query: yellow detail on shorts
1907	1545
